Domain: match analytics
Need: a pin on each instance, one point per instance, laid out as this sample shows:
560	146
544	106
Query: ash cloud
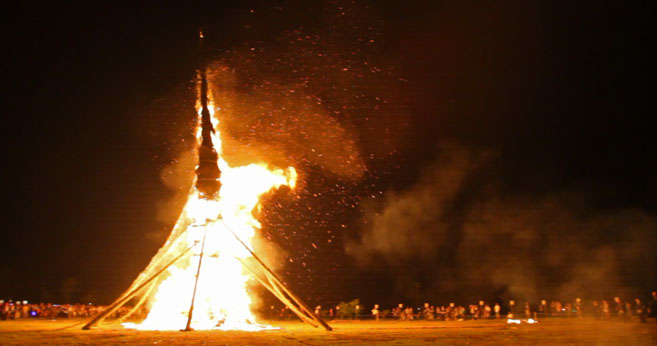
460	236
281	124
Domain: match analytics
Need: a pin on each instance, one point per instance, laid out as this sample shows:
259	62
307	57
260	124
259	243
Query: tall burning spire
215	228
207	171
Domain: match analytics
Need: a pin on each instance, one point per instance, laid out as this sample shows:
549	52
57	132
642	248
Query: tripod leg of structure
141	302
198	274
278	294
277	283
126	297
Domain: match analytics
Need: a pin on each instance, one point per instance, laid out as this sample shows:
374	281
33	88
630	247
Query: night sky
446	149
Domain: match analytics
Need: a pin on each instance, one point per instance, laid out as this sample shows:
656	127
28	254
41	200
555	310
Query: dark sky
466	116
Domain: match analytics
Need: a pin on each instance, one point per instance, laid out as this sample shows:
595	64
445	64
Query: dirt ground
547	332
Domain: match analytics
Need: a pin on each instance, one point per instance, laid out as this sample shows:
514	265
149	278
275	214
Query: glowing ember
221	301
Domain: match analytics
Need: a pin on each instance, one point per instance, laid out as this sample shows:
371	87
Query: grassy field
546	332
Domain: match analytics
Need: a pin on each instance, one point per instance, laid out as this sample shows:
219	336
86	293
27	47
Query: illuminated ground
547	332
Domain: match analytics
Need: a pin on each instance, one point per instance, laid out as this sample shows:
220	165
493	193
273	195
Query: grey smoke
458	234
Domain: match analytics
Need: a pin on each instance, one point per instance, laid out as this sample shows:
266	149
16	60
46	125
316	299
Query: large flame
222	300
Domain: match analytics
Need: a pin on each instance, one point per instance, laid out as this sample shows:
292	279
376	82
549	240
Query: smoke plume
455	232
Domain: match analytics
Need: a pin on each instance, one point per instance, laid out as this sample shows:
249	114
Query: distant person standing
375	312
450	313
604	310
440	313
497	309
409	313
628	310
4	311
596	308
640	310
542	309
653	305
401	312
528	313
427	312
557	308
619	307
578	307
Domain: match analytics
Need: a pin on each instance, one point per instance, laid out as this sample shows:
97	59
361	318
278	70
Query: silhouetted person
640	310
569	309
619	307
401	312
604	310
528	312
408	312
578	307
451	313
628	310
375	312
596	308
653	305
557	308
427	312
542	309
473	311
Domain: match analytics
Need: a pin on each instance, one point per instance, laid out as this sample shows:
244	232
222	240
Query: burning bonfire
209	220
197	280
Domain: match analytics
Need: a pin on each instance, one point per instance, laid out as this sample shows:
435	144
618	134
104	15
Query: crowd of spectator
602	309
14	310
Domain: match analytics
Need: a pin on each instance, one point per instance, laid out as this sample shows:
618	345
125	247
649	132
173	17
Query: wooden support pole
171	241
278	294
141	302
198	274
308	318
125	298
278	283
280	286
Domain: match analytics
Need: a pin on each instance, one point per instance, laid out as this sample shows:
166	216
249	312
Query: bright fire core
222	300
